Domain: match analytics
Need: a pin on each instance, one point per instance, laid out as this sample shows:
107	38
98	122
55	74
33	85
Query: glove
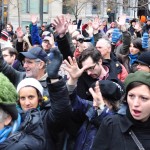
53	63
145	40
115	35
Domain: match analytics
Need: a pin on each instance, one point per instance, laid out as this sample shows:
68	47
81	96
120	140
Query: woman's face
133	50
9	28
28	98
138	100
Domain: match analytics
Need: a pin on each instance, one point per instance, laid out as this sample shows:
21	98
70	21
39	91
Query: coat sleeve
126	40
35	37
104	135
64	46
60	104
14	76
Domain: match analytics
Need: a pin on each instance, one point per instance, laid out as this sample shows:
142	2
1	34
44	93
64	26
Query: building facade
18	12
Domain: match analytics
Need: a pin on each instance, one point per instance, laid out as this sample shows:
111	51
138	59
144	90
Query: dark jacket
18	66
91	120
55	115
30	131
124	47
114	134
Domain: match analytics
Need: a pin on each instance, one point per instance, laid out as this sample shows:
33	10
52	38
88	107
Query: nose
136	102
27	102
89	72
138	66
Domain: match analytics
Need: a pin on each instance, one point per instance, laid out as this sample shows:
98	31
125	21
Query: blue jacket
36	39
91	121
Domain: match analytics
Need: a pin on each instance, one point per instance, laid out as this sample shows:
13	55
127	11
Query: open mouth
136	113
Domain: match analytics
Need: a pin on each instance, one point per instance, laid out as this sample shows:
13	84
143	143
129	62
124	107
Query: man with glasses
10	56
34	63
91	60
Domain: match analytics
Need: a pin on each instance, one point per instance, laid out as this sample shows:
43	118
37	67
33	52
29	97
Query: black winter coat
114	134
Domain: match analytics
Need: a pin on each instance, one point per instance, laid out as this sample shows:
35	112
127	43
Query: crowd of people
75	85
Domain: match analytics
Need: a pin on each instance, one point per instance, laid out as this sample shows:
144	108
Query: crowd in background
74	85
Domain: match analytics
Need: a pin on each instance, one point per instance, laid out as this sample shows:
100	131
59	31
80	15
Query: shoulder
110	120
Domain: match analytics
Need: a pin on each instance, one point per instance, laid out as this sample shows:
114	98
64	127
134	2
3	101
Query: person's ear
100	62
41	64
7	120
14	56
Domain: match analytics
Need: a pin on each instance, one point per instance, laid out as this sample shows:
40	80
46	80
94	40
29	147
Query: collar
43	77
124	123
105	73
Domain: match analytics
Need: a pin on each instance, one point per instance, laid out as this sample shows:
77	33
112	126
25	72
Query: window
94	9
45	6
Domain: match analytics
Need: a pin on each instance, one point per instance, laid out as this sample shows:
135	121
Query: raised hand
97	96
96	23
19	32
122	19
72	68
61	25
34	19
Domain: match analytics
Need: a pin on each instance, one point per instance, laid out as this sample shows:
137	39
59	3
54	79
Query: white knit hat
30	82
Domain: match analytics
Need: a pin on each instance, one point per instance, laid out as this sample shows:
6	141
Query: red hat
4	35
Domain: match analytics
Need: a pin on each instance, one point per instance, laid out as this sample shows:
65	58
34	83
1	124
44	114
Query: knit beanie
138	76
116	35
144	58
111	90
8	97
4	35
30	82
145	40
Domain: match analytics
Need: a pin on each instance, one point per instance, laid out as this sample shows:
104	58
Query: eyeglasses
90	68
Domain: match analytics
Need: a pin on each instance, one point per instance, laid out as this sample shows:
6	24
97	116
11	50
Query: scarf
133	58
6	131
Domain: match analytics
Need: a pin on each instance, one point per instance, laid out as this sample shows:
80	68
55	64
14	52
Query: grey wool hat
8	96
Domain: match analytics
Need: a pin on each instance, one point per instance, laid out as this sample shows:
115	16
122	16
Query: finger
55	22
74	60
67	63
92	92
97	88
70	60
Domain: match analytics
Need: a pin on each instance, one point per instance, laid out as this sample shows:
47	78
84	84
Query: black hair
89	52
131	86
137	43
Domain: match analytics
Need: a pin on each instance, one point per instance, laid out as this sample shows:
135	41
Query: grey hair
39	60
105	41
3	114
